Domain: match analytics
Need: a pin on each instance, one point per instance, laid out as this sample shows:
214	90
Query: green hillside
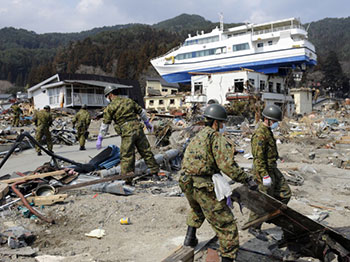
125	50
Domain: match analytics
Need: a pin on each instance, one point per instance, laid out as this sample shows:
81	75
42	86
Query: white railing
281	28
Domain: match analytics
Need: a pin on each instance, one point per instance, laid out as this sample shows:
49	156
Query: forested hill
125	50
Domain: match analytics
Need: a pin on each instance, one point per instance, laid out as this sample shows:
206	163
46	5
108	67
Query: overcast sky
43	16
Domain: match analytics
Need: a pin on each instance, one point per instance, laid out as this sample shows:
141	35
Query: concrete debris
314	157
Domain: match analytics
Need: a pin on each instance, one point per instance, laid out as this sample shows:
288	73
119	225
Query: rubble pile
44	195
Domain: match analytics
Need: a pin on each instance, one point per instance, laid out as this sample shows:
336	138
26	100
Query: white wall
40	98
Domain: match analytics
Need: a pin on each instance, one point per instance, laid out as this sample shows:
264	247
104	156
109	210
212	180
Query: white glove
267	181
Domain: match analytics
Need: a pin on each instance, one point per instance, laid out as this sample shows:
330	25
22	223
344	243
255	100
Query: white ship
267	48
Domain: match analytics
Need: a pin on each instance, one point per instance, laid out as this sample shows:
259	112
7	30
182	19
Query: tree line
124	51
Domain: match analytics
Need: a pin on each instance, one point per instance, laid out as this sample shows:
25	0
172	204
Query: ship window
271	87
262	85
259	45
199	53
240	47
269	42
278	88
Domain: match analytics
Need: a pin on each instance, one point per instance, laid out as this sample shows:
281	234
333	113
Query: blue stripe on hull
267	67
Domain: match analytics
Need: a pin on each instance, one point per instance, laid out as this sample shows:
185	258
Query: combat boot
227	259
82	148
191	239
39	153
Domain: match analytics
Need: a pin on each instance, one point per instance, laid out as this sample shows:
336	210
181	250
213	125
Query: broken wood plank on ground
47	200
32	177
181	254
4	189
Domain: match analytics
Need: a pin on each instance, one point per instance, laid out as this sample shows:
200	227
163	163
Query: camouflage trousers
15	121
279	190
130	140
39	133
81	135
204	205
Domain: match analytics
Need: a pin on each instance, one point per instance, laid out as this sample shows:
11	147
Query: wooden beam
181	254
4	189
262	219
31	177
47	200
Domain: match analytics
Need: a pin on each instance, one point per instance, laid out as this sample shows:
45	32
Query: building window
198	88
238	85
269	42
151	102
161	102
278	88
54	94
252	81
262	85
172	101
165	90
173	92
240	47
260	45
271	87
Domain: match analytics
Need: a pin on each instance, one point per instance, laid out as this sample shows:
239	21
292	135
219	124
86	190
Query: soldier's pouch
203	182
186	183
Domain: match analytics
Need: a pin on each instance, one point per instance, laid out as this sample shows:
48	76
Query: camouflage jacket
208	153
82	119
42	119
264	150
16	110
121	110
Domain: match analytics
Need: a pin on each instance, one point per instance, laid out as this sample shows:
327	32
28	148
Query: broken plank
47	200
181	254
31	177
262	219
4	189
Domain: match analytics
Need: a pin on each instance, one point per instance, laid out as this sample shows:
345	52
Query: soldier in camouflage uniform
17	111
208	153
82	122
267	175
124	111
43	121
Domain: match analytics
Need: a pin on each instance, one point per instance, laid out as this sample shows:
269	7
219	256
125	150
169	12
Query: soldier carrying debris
264	151
82	122
123	111
17	111
207	154
43	120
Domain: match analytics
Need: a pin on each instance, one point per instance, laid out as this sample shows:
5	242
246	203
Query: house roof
5	96
163	82
153	92
128	87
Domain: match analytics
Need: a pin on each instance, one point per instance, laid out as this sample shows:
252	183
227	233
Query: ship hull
265	62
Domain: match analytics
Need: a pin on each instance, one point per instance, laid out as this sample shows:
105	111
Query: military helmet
109	89
47	107
216	112
272	112
84	106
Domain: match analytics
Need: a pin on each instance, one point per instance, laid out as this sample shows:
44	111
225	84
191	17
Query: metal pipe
31	139
25	202
14	201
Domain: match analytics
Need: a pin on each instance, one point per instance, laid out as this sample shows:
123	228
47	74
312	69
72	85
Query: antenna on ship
221	15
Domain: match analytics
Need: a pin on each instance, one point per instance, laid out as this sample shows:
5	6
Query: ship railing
281	28
167	53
